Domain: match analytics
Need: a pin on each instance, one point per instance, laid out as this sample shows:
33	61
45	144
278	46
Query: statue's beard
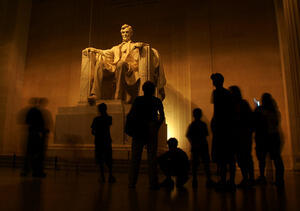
126	39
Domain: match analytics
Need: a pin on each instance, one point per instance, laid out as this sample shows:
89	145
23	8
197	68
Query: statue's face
126	34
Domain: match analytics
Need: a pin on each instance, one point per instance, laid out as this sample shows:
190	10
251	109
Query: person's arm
93	128
185	161
188	134
205	129
161	113
110	120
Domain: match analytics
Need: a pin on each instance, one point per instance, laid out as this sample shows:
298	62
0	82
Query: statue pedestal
73	138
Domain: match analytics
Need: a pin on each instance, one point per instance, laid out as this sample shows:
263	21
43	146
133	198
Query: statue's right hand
91	49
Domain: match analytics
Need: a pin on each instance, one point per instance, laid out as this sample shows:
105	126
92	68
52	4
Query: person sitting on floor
174	163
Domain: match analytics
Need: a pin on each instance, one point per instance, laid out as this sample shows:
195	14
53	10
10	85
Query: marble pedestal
73	138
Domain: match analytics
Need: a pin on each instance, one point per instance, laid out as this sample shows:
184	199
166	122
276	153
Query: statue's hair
125	26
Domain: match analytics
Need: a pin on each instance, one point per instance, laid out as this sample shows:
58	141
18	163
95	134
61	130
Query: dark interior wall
14	27
194	38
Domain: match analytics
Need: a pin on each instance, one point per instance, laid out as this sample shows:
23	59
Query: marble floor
71	191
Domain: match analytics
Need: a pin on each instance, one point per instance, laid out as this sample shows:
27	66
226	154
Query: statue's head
126	32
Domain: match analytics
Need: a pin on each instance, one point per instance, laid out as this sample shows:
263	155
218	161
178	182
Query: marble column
288	19
14	27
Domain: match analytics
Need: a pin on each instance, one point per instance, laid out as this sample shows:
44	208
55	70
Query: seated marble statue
130	64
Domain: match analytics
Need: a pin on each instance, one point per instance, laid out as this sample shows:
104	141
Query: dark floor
68	191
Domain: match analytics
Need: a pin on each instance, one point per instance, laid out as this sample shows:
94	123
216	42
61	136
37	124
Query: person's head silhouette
235	92
34	101
268	102
43	102
148	88
102	108
197	113
172	143
217	79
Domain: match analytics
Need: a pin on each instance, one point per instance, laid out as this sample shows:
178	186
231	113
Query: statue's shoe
92	99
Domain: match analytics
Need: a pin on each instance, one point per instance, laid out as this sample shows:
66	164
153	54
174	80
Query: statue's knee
122	66
101	64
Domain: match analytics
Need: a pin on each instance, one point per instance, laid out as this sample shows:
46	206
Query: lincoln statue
130	64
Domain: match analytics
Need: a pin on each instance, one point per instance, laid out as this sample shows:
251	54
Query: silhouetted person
223	149
103	149
196	134
35	148
267	137
174	162
143	122
243	126
48	125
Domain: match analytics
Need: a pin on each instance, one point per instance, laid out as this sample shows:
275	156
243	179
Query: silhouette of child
103	150
196	134
174	163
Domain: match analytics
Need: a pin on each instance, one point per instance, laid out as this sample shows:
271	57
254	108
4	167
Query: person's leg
275	155
41	157
152	164
36	155
101	167
223	171
109	163
232	169
249	159
279	169
96	80
121	69
27	158
261	155
250	165
165	167
262	165
136	154
181	179
195	163
206	161
242	162
209	181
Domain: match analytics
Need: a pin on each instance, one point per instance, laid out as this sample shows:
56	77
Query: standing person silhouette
222	127
36	128
243	126
196	134
267	138
143	122
103	149
47	127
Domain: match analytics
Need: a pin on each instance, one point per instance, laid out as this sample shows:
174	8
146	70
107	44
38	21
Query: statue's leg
133	91
98	76
121	68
